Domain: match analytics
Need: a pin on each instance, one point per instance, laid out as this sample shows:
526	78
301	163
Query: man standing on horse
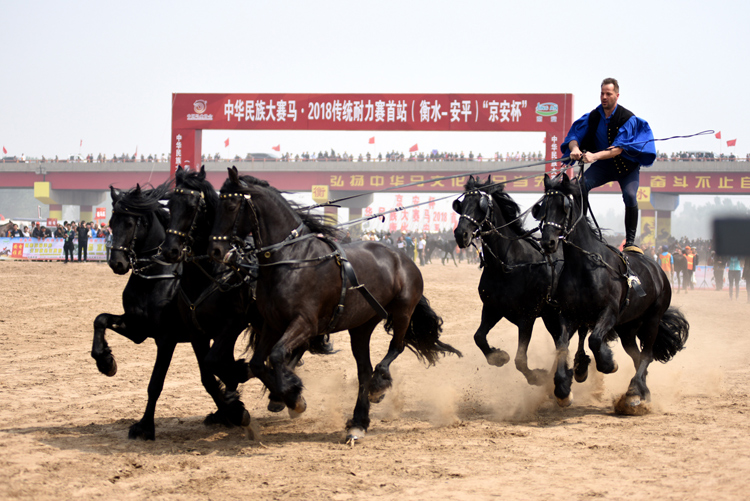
617	143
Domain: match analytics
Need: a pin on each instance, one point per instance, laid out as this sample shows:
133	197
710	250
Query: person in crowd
735	273
680	270
347	238
719	263
617	143
421	244
409	246
666	262
107	241
69	243
59	231
401	244
37	231
26	232
692	264
83	241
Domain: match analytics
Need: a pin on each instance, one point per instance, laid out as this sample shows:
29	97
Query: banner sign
425	112
192	113
48	249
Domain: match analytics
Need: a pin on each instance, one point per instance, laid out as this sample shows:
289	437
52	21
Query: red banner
550	113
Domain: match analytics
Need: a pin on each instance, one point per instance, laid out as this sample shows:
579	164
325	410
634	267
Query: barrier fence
48	249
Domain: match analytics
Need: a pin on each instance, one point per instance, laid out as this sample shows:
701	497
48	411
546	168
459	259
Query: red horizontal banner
396	112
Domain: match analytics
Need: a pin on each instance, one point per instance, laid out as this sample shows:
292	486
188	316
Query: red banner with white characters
550	113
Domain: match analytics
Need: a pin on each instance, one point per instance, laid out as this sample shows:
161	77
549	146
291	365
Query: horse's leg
100	350
581	361
605	363
563	378
629	341
359	337
145	428
285	382
536	377
230	407
490	317
454	258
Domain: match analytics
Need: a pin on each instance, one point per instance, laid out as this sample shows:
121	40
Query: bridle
201	209
129	251
485	203
568	224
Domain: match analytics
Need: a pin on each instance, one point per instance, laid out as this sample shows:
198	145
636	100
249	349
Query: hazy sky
104	72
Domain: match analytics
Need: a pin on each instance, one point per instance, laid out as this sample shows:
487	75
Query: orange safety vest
664	261
690	261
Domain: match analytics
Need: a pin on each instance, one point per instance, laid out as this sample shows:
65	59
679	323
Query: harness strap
347	272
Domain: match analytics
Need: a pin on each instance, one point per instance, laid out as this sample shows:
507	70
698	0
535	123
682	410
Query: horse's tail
672	335
422	336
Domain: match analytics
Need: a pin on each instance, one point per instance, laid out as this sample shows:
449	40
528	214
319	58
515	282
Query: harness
294	237
188	237
567	227
133	258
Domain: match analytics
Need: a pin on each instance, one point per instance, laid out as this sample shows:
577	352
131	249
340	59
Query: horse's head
475	209
133	225
187	210
558	210
235	217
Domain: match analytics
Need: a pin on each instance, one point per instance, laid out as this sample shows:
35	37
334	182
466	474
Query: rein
134	258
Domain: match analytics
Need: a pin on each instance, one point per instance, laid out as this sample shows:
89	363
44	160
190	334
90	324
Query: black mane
315	223
507	206
140	202
192	180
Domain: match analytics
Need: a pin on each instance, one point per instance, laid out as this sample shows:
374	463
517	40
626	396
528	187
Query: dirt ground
459	430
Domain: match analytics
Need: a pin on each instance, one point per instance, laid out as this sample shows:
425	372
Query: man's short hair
612	81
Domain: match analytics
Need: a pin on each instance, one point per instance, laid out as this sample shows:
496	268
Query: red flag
4	150
414	148
276	148
226	143
372	140
81	143
718	135
544	140
732	142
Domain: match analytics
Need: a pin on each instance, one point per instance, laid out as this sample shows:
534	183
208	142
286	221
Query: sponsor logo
546	109
200	106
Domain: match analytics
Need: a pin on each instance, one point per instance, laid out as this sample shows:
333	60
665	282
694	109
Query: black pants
68	251
83	247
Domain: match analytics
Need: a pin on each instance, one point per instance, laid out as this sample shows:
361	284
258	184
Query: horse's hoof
632	405
614	367
565	402
299	408
538	377
107	365
581	377
377	397
276	406
138	430
498	358
353	434
251	427
217	418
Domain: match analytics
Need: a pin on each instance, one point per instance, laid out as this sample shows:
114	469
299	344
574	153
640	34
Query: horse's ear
457	206
546	182
137	191
565	180
234	176
179	169
114	193
202	173
538	210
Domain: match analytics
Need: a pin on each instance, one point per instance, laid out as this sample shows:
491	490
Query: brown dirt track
459	430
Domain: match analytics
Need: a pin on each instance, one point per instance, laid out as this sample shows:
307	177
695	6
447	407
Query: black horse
614	294
303	291
150	301
516	281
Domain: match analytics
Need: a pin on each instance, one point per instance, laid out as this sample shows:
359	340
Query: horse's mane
140	202
508	207
574	189
315	223
194	181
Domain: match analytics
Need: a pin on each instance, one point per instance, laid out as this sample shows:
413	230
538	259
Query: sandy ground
459	430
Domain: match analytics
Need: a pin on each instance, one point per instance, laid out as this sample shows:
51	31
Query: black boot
631	225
